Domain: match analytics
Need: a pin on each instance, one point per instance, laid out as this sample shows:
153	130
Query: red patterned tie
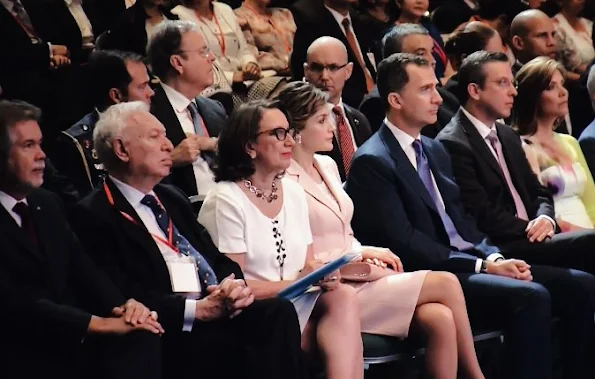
344	136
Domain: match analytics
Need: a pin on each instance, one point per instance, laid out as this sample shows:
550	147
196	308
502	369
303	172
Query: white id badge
183	275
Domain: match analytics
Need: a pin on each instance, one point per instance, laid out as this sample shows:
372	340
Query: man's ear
120	150
473	91
115	96
176	63
517	43
348	70
395	101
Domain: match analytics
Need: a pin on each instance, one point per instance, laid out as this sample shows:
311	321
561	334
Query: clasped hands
228	298
188	150
126	318
539	229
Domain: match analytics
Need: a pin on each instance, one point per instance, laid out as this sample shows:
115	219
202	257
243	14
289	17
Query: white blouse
234	53
580	42
236	225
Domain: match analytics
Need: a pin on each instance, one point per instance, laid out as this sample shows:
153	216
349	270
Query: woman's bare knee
435	318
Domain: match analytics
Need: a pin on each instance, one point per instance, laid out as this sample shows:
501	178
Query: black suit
214	116
264	339
49	294
393	208
361	132
487	198
372	106
313	20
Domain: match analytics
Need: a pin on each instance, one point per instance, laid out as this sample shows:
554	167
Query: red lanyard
270	21
168	242
221	38
438	50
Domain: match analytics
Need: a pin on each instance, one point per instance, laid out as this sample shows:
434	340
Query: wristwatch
484	267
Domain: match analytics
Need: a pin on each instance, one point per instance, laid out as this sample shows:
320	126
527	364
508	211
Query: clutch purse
363	272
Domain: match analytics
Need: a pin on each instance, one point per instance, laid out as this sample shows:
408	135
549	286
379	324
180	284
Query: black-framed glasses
318	68
280	133
205	52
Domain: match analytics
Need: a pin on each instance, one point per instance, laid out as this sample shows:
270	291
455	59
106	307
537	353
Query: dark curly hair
301	100
233	162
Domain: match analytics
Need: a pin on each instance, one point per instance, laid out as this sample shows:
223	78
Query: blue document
302	285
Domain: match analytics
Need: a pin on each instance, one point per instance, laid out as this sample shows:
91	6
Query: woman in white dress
393	303
260	220
556	159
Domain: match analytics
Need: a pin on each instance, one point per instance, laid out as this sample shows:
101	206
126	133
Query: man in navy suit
406	199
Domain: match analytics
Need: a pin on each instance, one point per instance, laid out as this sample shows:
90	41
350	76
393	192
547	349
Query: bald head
329	44
523	22
327	66
533	35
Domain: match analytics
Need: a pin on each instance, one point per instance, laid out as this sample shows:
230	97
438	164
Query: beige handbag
363	272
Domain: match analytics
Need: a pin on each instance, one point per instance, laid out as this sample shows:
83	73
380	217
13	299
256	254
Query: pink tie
521	211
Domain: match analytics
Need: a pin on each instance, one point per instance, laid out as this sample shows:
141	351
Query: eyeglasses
280	133
318	68
204	52
505	83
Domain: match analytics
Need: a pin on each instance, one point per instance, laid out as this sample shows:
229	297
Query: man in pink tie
497	185
328	68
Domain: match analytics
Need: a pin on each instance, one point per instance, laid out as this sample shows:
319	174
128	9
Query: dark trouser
523	311
572	250
263	342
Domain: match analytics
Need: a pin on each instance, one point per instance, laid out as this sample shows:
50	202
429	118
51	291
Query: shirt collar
338	16
404	139
482	128
178	101
8	202
132	195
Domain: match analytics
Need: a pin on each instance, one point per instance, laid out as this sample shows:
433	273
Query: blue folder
302	285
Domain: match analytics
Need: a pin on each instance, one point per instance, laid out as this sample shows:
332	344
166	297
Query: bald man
532	35
328	68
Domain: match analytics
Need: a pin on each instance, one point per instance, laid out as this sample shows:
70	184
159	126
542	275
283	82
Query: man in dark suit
412	39
587	137
146	237
180	57
317	18
327	68
406	199
61	313
498	187
115	77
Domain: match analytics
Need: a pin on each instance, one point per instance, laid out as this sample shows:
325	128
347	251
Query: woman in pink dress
433	302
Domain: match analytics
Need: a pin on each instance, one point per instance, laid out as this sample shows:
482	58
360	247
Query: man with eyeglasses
498	187
180	57
327	67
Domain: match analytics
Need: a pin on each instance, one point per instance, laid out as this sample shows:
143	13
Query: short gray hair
165	42
112	124
591	84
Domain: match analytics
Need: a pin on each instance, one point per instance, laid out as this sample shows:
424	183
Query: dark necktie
206	274
23	210
423	170
344	136
360	60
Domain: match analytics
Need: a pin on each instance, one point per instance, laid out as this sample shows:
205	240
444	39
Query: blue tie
206	274
193	109
423	170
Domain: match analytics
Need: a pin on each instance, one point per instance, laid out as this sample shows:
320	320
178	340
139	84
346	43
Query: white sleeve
222	216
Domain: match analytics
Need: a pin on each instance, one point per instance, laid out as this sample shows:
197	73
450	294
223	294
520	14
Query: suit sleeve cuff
549	219
189	312
494	257
478	265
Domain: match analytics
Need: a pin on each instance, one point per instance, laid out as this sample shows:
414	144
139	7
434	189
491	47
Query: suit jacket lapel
479	143
509	157
404	167
163	110
354	123
11	230
311	187
135	229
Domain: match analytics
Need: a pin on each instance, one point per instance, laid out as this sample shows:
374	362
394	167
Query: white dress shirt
484	130
134	197
406	143
205	180
339	18
334	122
8	202
76	10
